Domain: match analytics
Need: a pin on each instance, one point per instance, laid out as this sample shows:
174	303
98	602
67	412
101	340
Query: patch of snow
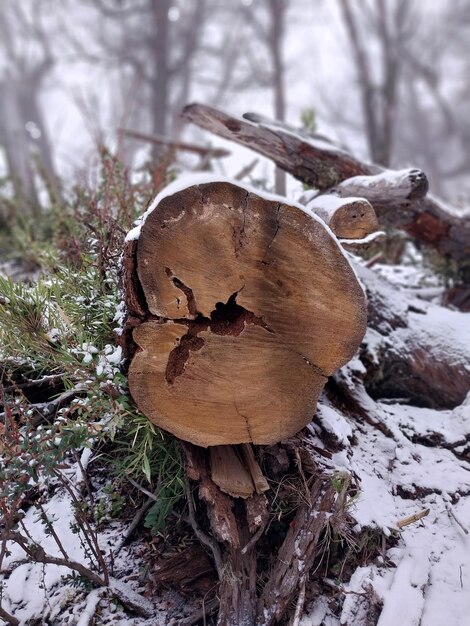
90	608
334	423
329	203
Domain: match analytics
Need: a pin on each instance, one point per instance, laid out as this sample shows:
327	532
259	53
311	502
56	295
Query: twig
246	171
148	493
412	518
458	522
254	539
133	525
203	538
300	605
375	259
9	619
121	590
215	153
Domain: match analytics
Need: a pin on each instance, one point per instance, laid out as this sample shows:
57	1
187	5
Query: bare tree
23	134
389	25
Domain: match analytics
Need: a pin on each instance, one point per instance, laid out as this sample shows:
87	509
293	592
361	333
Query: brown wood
259	480
310	158
348	218
241	332
228	472
400	202
297	553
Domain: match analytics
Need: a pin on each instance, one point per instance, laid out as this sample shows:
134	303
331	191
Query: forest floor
408	461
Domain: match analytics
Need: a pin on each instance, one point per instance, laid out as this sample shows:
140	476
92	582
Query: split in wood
236	471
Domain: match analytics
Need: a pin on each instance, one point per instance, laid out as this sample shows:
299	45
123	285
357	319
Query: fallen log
241	332
399	198
348	218
414	351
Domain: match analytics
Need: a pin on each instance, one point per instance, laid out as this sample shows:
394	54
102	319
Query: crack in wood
188	292
226	319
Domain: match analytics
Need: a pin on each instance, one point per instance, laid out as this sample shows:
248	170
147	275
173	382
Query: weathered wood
259	480
413	350
348	218
240	333
237	572
399	200
228	472
312	160
297	553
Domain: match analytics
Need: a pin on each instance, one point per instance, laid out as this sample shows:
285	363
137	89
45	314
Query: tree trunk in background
31	112
161	72
378	96
277	9
16	147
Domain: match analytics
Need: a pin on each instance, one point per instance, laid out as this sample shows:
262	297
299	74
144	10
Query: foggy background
389	79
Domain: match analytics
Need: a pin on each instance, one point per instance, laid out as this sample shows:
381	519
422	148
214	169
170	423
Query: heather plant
61	389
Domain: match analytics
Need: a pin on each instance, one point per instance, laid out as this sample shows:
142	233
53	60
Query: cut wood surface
252	305
399	198
348	218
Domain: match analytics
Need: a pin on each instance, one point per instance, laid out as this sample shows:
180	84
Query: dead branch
204	151
399	198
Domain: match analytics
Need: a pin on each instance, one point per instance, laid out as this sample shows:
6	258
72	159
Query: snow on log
348	218
399	198
415	352
251	305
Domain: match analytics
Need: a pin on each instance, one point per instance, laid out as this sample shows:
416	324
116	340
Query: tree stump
239	308
251	306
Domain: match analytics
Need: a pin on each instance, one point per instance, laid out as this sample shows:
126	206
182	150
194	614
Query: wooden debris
412	518
348	218
228	472
259	480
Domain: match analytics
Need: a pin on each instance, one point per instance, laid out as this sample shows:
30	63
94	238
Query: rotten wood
312	160
228	472
297	553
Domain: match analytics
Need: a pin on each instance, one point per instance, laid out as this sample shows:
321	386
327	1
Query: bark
400	201
310	160
297	553
413	350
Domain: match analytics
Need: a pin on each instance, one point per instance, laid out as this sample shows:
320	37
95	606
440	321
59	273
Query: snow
329	204
92	602
190	179
395	178
367	239
334	423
